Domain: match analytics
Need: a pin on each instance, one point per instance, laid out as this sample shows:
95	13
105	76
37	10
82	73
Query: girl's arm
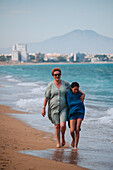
82	97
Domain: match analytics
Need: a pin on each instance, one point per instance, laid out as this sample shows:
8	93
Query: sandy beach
16	136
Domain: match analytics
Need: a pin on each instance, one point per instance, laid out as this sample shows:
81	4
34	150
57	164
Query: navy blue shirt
74	103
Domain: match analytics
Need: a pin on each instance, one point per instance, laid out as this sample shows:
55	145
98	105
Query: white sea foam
8	76
38	90
32	84
107	118
27	84
98	69
103	117
30	105
13	80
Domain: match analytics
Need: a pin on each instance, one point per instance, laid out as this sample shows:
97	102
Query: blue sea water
23	88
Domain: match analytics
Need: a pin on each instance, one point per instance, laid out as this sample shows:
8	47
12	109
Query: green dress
57	99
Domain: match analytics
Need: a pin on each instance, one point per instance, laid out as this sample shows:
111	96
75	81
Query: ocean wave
32	84
11	79
30	105
99	116
39	90
107	118
8	76
27	84
99	70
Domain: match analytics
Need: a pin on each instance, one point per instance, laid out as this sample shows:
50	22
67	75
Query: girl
76	111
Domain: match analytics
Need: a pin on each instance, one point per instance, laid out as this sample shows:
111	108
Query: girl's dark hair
74	84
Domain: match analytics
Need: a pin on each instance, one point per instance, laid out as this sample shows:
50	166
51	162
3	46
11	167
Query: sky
26	21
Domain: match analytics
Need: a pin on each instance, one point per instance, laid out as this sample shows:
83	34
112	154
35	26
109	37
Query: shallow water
88	158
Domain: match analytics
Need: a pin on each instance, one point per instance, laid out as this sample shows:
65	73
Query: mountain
75	41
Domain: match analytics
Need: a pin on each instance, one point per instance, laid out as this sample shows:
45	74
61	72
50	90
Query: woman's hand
82	97
44	106
43	112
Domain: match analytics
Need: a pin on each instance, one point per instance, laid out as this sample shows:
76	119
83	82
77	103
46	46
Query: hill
75	41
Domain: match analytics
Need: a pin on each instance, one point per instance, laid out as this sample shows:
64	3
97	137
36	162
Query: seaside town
20	55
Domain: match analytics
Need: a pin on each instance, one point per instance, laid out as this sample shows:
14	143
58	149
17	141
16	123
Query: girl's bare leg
78	125
63	129
72	129
57	134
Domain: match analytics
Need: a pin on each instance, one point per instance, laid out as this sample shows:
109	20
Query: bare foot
72	143
76	148
63	142
58	146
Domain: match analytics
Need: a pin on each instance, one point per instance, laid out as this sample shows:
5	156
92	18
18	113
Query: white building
15	55
75	57
71	57
19	52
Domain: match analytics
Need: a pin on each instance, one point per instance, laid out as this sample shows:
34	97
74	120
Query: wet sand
16	136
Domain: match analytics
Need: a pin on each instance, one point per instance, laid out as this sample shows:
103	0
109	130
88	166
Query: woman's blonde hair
55	69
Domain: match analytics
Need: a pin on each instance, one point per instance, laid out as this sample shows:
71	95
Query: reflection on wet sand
87	158
65	155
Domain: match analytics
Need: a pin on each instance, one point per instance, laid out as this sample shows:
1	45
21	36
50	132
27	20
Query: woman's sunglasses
57	75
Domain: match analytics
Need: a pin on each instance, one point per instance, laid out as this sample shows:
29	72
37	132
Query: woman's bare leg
63	129
78	125
57	134
72	129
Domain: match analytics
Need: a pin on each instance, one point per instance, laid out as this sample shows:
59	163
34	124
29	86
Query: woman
55	95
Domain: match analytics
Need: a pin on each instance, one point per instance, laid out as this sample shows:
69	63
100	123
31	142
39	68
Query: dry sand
16	136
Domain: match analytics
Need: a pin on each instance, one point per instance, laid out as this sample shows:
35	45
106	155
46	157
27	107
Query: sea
23	88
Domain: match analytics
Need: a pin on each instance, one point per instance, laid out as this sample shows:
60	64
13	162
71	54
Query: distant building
100	57
110	57
19	52
75	57
51	57
34	57
71	57
58	57
80	57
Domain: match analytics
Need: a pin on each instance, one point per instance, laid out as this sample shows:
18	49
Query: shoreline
16	136
51	63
